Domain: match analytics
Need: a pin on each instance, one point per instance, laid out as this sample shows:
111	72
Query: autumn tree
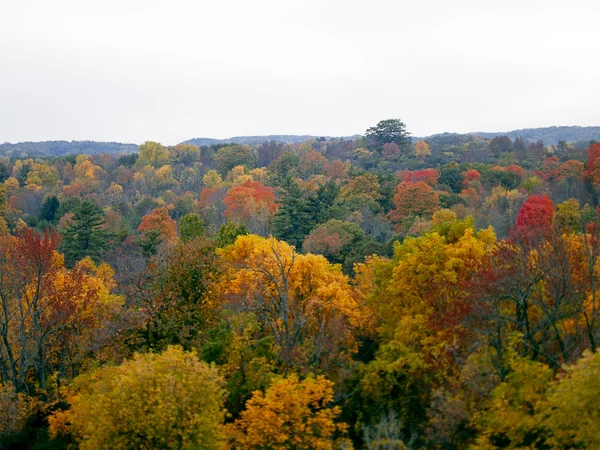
573	410
535	217
253	204
167	400
417	199
152	154
336	240
301	300
176	294
292	413
422	149
156	227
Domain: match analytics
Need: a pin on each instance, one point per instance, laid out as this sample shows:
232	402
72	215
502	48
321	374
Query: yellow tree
302	300
168	400
290	414
574	406
422	299
422	149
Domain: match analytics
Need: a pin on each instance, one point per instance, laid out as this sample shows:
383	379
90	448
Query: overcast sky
135	70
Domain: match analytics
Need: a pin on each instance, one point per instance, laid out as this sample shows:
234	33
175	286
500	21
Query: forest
379	292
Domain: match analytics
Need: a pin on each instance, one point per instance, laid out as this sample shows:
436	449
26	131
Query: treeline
375	293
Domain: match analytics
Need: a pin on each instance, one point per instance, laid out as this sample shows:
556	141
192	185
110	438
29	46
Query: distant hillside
61	148
257	140
550	135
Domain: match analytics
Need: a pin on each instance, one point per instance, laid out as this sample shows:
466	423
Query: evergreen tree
149	241
85	235
49	207
293	221
190	227
229	232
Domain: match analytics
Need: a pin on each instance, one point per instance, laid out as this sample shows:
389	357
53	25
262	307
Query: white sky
135	70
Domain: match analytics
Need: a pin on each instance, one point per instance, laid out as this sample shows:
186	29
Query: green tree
388	132
190	227
229	157
292	222
49	207
451	175
229	232
85	235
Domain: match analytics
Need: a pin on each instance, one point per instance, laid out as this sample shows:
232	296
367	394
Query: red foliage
35	251
470	176
159	219
429	176
250	199
414	198
551	170
592	168
535	217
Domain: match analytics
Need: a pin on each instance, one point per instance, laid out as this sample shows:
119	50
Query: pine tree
292	222
49	207
85	235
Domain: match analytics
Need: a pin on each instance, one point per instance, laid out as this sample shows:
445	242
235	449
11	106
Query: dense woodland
373	293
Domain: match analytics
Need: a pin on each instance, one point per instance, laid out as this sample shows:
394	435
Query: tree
152	154
335	239
292	221
302	301
417	199
229	232
290	414
422	149
253	204
499	145
156	227
229	157
535	218
86	234
49	207
190	227
169	400
573	405
452	176
429	176
386	132
512	418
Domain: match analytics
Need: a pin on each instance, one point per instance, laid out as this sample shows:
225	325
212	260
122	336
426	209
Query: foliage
290	414
167	400
190	227
85	235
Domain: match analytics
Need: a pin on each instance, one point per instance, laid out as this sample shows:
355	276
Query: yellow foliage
169	400
305	301
290	414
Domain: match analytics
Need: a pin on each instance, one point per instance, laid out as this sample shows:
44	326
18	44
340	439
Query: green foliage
451	176
229	157
190	227
49	208
229	232
293	220
388	132
85	235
